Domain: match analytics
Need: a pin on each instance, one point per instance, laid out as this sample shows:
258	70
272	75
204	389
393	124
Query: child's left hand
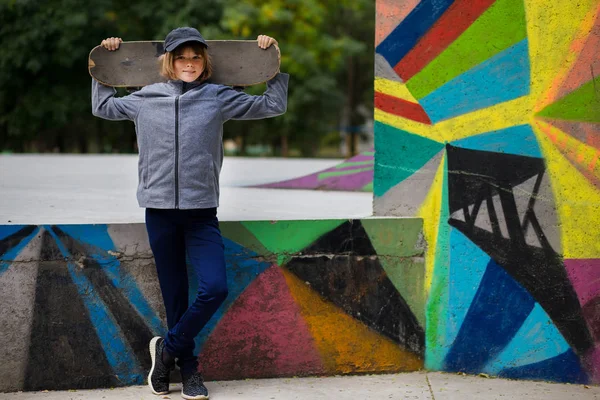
264	41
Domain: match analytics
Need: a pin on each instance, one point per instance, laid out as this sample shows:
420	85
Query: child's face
188	65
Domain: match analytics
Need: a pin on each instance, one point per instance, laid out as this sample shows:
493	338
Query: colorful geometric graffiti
488	126
81	302
353	175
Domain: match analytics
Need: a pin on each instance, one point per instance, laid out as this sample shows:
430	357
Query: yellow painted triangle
576	199
570	58
393	88
430	211
551	28
409	125
345	344
500	116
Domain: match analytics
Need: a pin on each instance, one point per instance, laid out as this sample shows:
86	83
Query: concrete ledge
314	297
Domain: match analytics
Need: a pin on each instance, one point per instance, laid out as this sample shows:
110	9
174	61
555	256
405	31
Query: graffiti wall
80	303
488	126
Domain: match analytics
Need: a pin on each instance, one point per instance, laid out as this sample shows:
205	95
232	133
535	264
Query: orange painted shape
389	13
586	132
580	155
346	345
587	66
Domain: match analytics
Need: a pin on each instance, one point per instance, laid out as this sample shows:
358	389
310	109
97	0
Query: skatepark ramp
354	174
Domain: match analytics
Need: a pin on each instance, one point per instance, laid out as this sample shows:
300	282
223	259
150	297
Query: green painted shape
400	249
408	277
368	153
399	154
500	27
436	345
235	231
581	105
289	237
325	175
355	163
396	237
368	187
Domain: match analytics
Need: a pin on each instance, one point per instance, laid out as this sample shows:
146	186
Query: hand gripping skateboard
135	64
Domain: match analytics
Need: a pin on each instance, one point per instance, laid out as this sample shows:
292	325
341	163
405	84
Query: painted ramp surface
354	175
306	297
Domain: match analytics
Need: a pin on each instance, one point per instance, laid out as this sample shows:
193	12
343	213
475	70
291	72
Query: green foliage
327	47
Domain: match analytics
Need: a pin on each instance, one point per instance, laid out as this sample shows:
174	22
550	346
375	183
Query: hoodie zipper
177	152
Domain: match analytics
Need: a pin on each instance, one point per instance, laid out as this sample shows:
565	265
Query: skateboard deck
135	64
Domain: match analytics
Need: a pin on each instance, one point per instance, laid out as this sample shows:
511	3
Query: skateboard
135	64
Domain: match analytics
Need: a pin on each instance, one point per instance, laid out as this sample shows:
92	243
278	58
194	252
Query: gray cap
181	35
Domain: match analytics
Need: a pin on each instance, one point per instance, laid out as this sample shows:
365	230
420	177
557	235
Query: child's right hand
111	43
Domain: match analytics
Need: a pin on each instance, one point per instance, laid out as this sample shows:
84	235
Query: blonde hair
167	61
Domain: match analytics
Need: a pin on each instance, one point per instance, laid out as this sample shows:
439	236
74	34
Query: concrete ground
77	189
417	386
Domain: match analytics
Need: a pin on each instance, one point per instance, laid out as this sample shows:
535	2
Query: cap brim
178	43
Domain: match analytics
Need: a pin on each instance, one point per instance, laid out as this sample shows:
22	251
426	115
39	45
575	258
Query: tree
327	47
44	84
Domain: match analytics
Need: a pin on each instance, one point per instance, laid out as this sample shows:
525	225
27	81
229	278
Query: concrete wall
487	126
79	303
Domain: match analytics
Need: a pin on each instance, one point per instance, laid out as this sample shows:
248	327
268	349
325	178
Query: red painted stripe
459	16
402	108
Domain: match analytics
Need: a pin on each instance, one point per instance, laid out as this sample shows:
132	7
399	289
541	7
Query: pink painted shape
587	62
585	278
389	13
591	362
262	335
349	182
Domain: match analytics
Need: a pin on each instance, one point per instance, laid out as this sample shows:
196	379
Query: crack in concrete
429	384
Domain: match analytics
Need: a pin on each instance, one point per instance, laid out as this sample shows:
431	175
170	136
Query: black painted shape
13	240
349	238
133	326
64	350
471	173
543	275
475	176
361	288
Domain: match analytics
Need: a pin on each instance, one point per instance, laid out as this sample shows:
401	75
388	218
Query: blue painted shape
14	252
519	140
504	77
497	312
564	368
398	155
100	243
242	269
406	35
536	341
118	353
468	264
7	230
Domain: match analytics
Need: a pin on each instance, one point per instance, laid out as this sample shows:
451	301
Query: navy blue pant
172	234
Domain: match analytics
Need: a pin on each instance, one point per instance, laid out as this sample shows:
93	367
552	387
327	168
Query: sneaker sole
153	355
200	397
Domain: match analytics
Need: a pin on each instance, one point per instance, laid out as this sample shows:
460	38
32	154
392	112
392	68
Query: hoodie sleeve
239	105
106	105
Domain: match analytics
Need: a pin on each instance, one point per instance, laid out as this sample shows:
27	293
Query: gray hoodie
179	131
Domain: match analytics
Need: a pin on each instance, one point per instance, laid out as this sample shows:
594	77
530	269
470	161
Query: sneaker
158	378
193	387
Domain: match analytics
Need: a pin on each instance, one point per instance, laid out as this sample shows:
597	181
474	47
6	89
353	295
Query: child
179	127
